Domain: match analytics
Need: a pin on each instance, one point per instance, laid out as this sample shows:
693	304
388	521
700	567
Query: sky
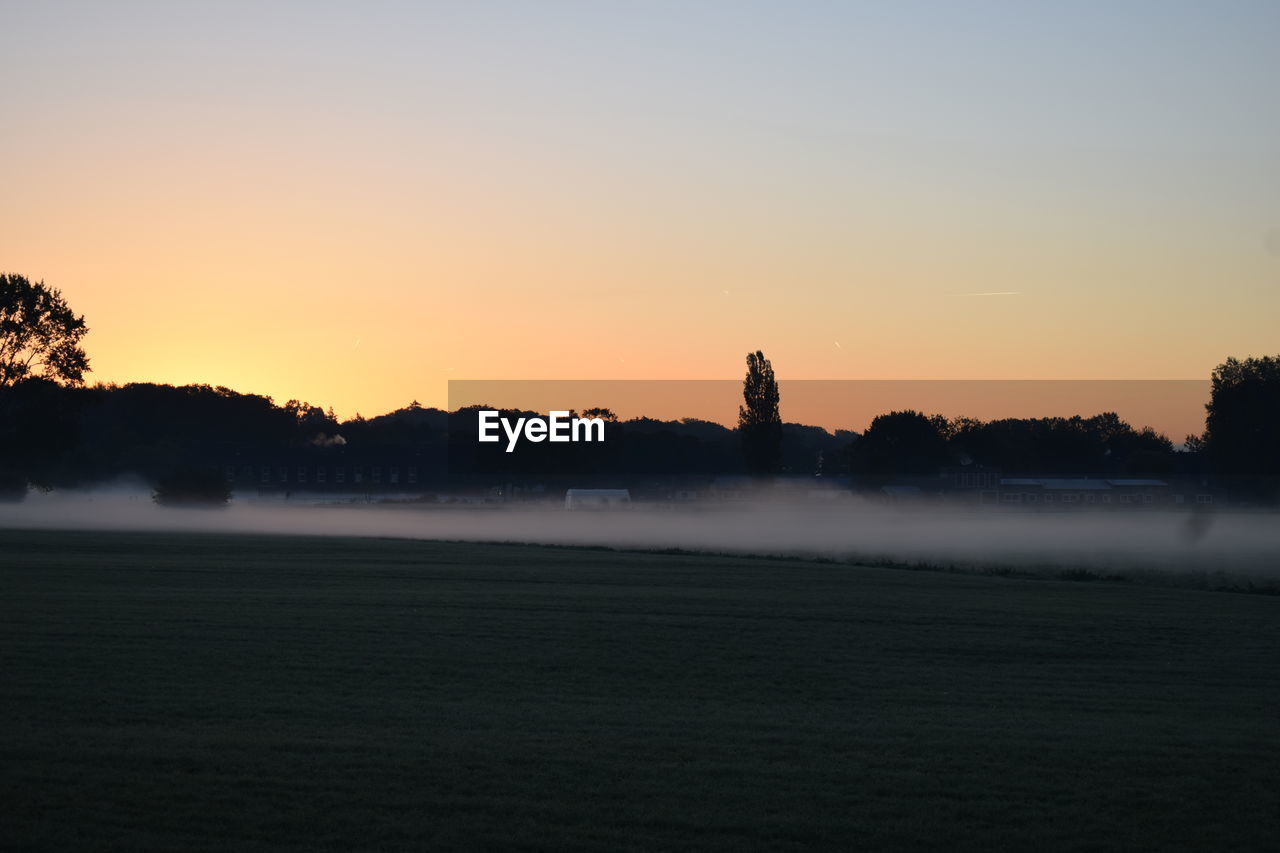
353	203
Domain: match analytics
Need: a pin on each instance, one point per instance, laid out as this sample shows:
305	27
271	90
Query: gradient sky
351	203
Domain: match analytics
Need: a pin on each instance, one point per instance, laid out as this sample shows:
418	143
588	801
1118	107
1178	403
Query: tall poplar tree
759	423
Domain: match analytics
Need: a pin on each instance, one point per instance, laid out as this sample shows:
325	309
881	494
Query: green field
181	692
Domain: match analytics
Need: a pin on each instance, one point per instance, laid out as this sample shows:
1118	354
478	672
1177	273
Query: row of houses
267	478
974	487
1067	491
1056	492
961	485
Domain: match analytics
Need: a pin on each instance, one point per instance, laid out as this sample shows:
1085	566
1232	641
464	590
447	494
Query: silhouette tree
759	423
39	334
1242	427
901	443
312	421
1101	443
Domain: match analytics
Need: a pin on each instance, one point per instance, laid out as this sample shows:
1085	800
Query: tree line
61	435
55	431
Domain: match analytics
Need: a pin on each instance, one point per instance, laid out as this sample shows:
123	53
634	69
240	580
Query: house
1051	491
328	472
1104	492
976	484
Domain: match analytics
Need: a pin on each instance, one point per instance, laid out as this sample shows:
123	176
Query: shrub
192	486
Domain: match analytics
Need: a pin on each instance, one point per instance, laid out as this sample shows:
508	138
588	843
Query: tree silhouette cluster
912	443
1242	427
62	436
56	432
39	333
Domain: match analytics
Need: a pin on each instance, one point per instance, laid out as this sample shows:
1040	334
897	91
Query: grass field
182	692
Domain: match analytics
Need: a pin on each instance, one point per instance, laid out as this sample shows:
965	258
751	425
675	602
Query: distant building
972	484
986	486
327	472
1120	492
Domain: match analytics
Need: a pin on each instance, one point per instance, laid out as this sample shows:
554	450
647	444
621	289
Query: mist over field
1243	545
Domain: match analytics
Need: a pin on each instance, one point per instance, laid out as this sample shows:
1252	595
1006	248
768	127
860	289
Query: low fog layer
1240	545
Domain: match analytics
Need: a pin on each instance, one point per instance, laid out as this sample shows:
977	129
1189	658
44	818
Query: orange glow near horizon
353	209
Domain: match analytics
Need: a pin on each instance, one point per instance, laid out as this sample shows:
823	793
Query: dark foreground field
190	693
